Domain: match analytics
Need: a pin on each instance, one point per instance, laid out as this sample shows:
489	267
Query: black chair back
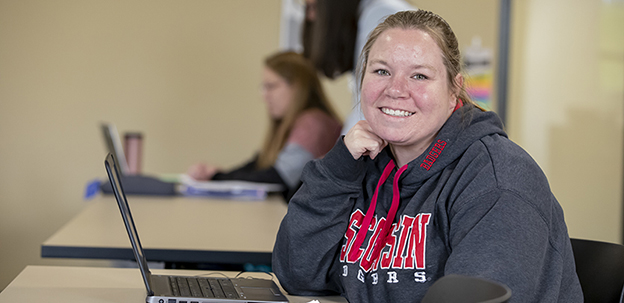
600	268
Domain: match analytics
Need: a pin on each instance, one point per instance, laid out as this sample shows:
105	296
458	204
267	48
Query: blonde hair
441	33
299	73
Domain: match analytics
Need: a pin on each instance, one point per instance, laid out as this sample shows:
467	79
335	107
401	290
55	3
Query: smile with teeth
396	112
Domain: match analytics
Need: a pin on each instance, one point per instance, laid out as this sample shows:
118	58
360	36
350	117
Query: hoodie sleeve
513	244
506	225
311	233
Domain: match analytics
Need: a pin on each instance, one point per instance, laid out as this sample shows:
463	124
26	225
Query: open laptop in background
135	184
114	146
179	289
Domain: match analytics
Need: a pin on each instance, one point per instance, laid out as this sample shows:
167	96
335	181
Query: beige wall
186	74
566	98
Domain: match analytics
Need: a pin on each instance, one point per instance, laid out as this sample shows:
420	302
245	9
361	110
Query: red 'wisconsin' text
404	247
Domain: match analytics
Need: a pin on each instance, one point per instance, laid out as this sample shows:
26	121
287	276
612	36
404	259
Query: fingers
373	153
194	171
210	172
362	141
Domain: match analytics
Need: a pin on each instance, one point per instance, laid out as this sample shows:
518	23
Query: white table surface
172	229
53	284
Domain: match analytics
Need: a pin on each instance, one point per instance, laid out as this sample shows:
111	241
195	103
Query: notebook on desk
179	289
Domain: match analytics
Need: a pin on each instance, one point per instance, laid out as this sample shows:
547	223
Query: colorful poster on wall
478	73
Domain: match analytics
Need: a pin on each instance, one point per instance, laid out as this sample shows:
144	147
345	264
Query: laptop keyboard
202	287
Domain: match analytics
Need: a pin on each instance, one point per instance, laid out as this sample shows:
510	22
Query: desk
53	284
173	229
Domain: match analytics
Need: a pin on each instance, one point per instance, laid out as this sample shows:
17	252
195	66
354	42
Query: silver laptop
181	289
113	145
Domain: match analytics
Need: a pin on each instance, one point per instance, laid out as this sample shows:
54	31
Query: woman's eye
382	72
420	77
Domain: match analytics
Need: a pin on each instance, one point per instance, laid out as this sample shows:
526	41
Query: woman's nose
397	88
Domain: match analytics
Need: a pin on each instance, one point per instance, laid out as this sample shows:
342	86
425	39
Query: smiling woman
463	199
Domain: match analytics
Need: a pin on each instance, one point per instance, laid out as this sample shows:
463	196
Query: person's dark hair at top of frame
329	39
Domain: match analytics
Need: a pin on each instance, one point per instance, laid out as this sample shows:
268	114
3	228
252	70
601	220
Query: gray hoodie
474	204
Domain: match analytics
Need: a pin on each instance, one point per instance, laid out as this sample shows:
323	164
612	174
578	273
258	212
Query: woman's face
405	92
277	93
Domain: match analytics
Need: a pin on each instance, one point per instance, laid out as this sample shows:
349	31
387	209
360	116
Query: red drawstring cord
396	199
369	213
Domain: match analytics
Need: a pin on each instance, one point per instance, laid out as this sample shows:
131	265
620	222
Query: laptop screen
114	176
113	145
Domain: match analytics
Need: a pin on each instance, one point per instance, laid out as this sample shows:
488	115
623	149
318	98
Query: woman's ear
458	83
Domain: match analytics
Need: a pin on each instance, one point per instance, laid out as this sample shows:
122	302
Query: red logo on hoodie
403	248
433	155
